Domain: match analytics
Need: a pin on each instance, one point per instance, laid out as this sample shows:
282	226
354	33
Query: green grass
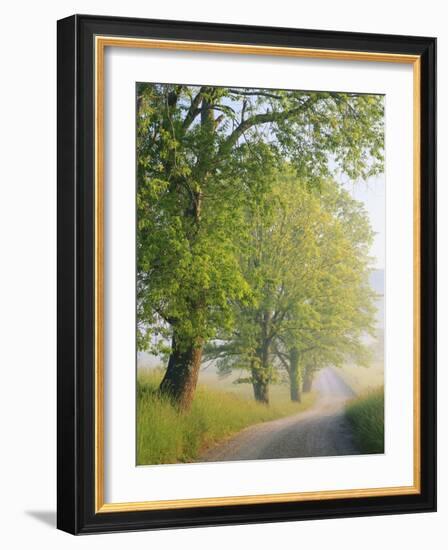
166	436
366	414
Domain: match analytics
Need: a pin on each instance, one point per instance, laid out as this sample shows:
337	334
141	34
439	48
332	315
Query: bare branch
255	120
258	93
194	110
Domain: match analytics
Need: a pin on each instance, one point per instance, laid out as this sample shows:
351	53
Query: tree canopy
205	160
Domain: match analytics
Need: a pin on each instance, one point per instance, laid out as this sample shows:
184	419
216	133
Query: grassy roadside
164	436
366	414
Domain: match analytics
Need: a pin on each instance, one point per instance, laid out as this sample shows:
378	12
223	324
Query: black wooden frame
76	513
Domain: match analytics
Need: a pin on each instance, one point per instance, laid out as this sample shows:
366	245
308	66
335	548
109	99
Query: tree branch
282	357
255	120
194	110
258	93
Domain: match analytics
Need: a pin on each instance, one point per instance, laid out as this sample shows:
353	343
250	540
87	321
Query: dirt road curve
322	430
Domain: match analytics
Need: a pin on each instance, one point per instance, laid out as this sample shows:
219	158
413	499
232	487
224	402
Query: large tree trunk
308	376
294	375
181	376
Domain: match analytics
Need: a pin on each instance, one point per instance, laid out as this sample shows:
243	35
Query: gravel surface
322	430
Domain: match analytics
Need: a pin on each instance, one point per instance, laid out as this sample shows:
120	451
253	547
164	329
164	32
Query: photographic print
260	240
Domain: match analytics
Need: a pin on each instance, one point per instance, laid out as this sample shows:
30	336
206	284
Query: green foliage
205	160
366	414
307	265
164	435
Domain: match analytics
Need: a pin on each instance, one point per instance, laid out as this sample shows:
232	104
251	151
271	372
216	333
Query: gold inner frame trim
101	42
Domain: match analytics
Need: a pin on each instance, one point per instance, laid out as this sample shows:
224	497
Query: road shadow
48	517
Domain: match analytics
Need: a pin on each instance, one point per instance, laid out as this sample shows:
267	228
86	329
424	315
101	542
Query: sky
372	194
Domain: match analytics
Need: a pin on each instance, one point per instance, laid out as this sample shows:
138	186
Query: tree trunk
294	375
308	376
261	373
260	386
181	376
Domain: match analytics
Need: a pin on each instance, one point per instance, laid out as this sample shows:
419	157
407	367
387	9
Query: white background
123	481
28	274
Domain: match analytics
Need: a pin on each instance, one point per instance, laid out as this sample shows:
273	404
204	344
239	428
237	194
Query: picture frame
82	196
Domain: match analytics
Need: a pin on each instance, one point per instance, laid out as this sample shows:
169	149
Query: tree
308	268
199	152
344	303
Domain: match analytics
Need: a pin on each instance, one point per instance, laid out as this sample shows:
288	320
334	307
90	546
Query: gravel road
322	430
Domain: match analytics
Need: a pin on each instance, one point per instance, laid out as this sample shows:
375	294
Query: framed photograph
246	274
